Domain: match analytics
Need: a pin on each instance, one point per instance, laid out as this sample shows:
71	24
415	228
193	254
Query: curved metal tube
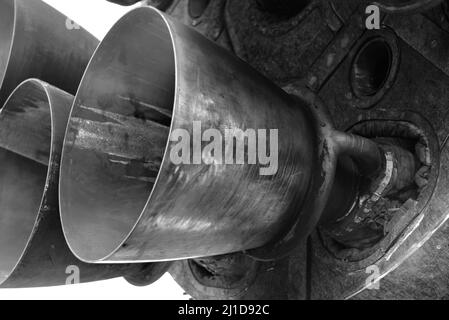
36	41
357	157
122	197
33	251
366	153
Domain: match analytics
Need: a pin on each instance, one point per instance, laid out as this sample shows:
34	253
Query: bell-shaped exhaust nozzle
33	251
177	149
36	41
139	180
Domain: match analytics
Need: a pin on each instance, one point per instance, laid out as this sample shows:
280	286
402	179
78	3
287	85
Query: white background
97	16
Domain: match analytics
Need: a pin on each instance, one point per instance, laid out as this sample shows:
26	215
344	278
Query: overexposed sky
97	16
117	289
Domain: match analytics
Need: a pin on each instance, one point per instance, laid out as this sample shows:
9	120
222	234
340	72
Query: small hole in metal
371	67
197	8
283	8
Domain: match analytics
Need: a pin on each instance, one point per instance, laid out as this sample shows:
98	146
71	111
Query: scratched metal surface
193	210
420	85
314	48
33	249
420	67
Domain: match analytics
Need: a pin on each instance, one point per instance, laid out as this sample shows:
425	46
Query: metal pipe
357	157
366	153
33	251
151	82
36	41
345	191
387	167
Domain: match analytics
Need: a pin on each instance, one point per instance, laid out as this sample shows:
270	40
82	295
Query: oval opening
371	67
7	21
284	8
197	8
25	144
117	135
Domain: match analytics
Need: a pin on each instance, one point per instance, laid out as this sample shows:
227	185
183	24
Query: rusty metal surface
253	285
280	48
413	72
416	92
32	34
423	273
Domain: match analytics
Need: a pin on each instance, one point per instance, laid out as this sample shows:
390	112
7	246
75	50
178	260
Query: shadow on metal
33	251
36	41
124	198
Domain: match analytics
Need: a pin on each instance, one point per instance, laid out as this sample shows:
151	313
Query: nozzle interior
25	141
117	135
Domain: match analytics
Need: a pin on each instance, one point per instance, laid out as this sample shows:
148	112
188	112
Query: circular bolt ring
369	256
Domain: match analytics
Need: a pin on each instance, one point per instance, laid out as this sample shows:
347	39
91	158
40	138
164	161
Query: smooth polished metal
36	41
